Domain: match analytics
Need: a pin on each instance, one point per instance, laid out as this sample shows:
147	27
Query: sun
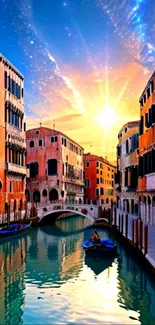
106	118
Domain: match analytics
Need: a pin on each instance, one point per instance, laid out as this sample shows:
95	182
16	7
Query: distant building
12	139
126	178
99	180
55	164
146	181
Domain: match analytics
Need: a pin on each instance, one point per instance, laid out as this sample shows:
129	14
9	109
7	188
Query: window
40	143
87	163
118	151
87	183
5	80
126	130
97	180
102	201
141	127
148	92
127	146
101	165
34	167
97	171
44	192
37	132
101	172
152	86
66	157
52	139
52	167
97	164
10	186
24	127
64	142
56	138
144	98
31	144
100	180
97	192
102	191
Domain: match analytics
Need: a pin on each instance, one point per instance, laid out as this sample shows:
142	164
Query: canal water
46	279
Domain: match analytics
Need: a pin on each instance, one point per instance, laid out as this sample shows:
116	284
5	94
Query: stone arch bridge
53	211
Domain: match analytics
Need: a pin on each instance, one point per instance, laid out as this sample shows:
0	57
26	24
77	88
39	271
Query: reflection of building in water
137	292
12	257
71	224
72	257
59	254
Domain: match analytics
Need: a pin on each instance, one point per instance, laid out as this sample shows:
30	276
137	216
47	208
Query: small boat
14	230
105	248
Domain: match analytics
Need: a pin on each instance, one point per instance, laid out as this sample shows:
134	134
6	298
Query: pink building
55	165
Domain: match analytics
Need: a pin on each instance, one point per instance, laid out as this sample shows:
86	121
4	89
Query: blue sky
79	58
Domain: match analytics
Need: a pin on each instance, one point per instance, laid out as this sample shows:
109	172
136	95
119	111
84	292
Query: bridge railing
91	210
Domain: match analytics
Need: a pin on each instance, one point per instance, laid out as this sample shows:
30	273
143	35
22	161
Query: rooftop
129	124
44	131
147	85
91	157
2	58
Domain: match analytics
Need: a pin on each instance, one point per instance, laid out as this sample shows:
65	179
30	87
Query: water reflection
12	267
46	279
98	265
137	292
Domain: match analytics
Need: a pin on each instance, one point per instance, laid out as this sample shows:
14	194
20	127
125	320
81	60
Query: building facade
99	180
146	181
55	165
12	139
126	177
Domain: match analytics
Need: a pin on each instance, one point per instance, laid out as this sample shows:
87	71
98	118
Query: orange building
146	181
99	180
12	139
55	163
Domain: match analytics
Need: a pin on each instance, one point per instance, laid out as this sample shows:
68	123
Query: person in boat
20	226
95	237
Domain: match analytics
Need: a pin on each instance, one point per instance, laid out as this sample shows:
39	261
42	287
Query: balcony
73	180
150	182
15	169
15	135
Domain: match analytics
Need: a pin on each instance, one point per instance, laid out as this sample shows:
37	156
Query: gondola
14	230
105	248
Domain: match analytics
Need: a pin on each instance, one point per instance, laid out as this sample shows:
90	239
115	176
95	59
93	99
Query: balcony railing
15	168
16	135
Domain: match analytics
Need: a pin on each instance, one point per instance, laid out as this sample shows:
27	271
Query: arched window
31	144
44	192
97	192
53	195
36	196
107	201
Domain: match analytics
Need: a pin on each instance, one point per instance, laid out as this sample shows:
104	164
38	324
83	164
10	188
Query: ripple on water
54	284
